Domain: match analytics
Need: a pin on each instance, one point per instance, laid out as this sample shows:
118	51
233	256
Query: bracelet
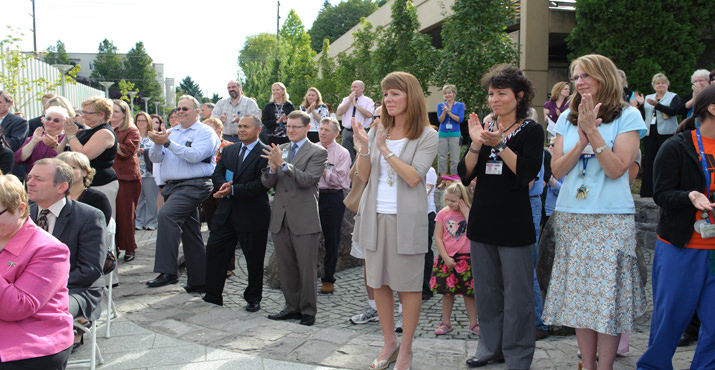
364	155
71	137
389	155
474	151
500	146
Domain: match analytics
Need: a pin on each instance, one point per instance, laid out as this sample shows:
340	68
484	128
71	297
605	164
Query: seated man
77	225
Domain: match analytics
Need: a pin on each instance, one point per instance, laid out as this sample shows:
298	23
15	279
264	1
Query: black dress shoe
687	339
129	256
163	279
284	315
253	306
307	320
475	362
195	288
211	299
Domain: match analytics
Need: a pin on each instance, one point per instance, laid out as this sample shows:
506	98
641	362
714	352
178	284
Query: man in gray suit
294	170
79	226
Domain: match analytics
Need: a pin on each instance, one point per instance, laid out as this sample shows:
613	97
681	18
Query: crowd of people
86	169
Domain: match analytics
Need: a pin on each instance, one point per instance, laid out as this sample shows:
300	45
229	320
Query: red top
127	164
696	241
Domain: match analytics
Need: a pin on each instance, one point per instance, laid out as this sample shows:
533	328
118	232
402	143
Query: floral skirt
453	281
595	282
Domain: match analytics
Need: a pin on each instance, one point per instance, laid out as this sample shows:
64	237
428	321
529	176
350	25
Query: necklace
390	171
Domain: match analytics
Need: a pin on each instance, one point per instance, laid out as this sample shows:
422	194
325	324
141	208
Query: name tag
494	168
588	149
653	120
448	126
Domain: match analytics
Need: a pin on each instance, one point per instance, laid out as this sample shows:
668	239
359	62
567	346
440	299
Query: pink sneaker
474	328
443	329
456	178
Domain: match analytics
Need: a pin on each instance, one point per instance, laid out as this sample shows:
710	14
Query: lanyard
584	159
703	161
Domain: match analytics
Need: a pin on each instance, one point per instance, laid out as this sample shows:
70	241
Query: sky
200	39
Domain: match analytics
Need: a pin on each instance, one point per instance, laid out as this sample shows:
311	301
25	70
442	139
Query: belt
173	182
330	191
348	128
535	196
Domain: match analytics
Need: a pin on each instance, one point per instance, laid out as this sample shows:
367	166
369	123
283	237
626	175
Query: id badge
494	168
707	230
653	120
448	126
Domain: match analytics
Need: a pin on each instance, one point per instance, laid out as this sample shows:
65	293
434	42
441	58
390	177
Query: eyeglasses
182	109
551	145
291	127
84	112
575	78
55	120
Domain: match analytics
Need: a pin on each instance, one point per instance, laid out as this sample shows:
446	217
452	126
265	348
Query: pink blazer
34	322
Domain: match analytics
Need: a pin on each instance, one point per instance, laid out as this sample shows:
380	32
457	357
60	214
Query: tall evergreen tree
358	65
189	87
335	20
139	70
297	68
107	64
57	54
474	39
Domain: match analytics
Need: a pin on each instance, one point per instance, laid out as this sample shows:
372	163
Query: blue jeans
538	304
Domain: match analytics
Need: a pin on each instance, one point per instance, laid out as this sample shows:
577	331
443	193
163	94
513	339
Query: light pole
63	69
156	109
106	85
146	104
131	99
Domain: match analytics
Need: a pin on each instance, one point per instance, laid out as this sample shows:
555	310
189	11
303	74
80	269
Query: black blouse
103	162
98	200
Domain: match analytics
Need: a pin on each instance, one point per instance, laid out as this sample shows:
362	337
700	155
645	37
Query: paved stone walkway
166	328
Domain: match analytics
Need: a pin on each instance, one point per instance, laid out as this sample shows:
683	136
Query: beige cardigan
411	201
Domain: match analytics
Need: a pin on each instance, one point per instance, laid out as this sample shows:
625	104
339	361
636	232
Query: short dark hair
298	114
63	171
506	76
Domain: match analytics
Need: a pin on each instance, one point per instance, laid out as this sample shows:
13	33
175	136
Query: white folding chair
111	308
96	355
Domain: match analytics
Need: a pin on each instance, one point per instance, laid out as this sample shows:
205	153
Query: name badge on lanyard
494	168
448	126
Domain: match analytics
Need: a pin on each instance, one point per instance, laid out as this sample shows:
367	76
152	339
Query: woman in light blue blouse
595	283
450	114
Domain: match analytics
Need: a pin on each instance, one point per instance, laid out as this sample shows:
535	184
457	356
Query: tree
474	39
107	64
254	59
358	65
189	87
57	54
335	20
215	98
138	69
403	48
326	83
297	69
668	37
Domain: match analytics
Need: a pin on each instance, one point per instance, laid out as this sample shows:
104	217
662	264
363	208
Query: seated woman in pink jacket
35	327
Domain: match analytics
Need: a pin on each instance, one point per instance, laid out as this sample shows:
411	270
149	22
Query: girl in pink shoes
452	271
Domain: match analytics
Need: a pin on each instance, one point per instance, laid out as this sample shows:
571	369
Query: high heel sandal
380	365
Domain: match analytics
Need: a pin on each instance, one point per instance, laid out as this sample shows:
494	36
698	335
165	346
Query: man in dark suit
77	225
14	129
242	215
294	169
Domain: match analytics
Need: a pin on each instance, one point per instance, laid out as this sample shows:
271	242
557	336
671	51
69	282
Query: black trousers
429	256
651	144
58	361
220	250
331	208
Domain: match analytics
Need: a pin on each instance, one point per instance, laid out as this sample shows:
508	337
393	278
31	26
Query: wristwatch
167	144
600	149
499	147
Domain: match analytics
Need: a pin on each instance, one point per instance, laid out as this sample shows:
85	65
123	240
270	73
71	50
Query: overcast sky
196	38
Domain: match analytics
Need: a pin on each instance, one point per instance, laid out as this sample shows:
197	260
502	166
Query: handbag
357	187
110	263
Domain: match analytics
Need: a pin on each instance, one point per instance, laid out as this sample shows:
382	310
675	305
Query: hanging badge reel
703	226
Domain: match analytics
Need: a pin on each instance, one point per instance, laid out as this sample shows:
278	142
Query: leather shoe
687	339
540	334
285	315
307	320
475	362
163	279
129	256
195	288
253	306
327	288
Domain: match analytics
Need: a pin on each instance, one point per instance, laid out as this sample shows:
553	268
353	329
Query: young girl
452	271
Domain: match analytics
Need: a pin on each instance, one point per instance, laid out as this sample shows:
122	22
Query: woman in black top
99	143
504	156
83	174
275	115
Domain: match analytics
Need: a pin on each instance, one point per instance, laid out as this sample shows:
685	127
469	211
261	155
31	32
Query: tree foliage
335	20
189	87
644	37
358	65
254	60
298	70
138	69
108	64
57	54
474	40
402	47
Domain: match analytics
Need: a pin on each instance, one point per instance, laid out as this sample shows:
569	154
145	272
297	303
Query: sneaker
367	315
443	329
398	323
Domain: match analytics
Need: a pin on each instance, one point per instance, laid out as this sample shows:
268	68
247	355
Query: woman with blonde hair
558	102
394	159
316	109
275	116
126	165
596	143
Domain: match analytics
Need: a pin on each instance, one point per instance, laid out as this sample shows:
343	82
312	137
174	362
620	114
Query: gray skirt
384	266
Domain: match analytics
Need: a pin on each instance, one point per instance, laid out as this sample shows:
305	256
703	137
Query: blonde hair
416	108
215	122
610	88
556	90
451	88
101	105
659	76
285	92
460	190
12	194
79	160
318	101
127	122
60	101
149	121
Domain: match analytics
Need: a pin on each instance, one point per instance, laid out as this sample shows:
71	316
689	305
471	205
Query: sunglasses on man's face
182	109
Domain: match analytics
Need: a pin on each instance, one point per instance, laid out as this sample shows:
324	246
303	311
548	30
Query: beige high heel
380	365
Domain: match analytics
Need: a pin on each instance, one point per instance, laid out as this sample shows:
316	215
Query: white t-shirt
386	193
431	179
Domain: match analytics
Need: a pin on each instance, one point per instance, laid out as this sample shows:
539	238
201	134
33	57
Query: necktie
42	219
241	155
293	150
